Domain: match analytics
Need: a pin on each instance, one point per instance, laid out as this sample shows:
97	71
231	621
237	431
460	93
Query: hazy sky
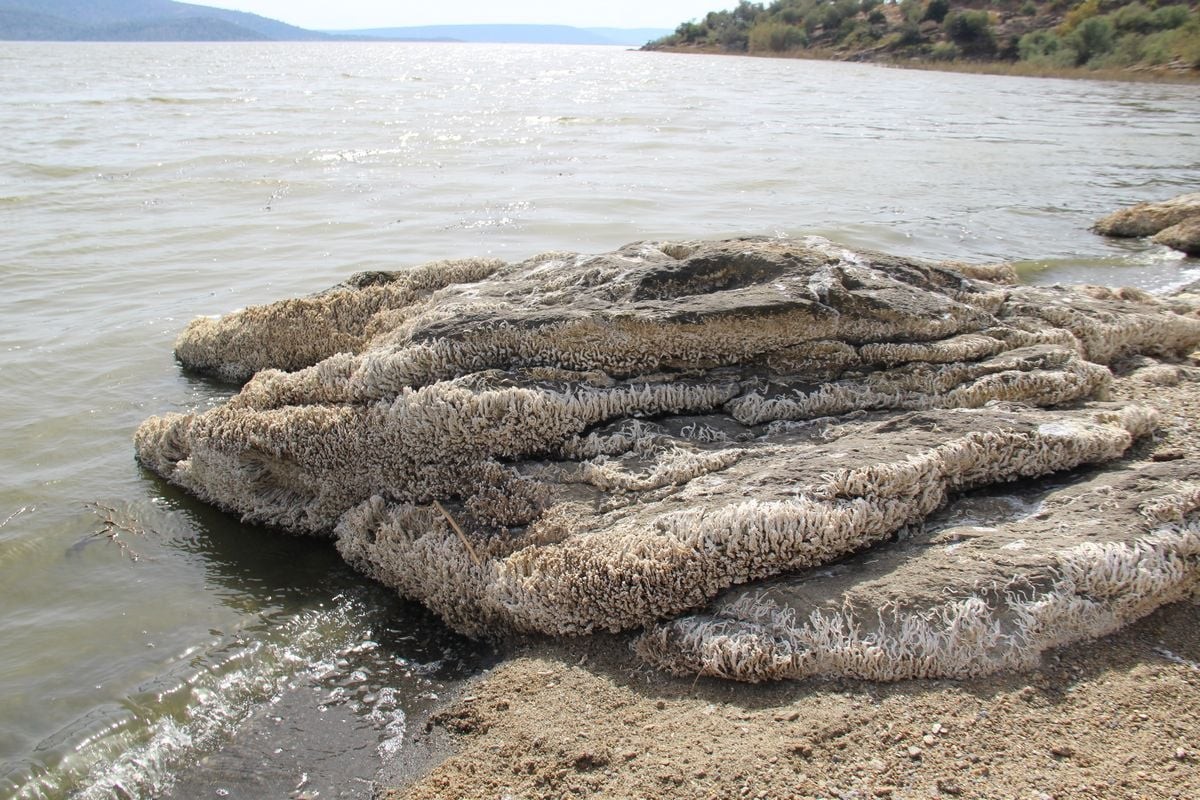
325	15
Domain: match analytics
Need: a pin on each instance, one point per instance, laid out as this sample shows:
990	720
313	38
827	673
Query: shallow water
140	632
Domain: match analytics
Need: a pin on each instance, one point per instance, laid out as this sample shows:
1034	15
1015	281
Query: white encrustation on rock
576	443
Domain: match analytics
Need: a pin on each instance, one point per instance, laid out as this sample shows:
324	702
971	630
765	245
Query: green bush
776	37
936	10
909	34
1134	17
1085	10
971	30
689	32
1092	39
791	16
1007	51
1038	44
1045	49
912	10
731	29
944	51
1029	8
1134	48
967	25
1156	49
846	30
858	34
831	15
734	38
1184	42
1169	18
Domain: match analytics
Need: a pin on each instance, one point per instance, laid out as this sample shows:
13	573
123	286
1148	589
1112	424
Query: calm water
143	184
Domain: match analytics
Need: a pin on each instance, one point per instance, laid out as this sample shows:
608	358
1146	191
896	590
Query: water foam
134	749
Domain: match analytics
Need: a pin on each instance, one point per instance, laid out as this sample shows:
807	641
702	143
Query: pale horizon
359	14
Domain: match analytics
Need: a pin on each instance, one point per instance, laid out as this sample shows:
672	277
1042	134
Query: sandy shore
1114	718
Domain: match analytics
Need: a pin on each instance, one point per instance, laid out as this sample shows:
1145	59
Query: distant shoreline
1016	69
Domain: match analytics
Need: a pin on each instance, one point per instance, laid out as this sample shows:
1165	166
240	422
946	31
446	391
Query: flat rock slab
576	443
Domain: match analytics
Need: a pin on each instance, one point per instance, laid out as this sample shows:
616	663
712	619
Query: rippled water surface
141	633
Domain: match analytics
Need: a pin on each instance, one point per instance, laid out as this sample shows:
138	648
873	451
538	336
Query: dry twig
462	536
112	527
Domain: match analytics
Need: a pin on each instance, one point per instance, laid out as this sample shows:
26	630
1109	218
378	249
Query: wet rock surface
1184	236
1174	223
577	443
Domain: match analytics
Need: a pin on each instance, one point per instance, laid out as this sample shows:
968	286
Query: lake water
147	641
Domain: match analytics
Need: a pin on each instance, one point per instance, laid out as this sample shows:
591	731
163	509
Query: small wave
133	749
54	170
17	544
165	100
357	156
1142	264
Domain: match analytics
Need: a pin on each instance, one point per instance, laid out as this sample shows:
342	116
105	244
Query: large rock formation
577	443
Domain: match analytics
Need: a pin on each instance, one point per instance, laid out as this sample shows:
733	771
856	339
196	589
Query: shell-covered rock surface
577	443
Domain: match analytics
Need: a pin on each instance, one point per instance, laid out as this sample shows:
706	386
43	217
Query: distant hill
139	20
165	20
630	36
514	34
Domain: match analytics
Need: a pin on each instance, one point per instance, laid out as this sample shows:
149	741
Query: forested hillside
1060	34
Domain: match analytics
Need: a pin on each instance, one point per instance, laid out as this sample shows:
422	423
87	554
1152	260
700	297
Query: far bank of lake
1016	69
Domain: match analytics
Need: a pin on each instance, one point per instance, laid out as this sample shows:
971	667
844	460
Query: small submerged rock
576	443
1174	223
1183	236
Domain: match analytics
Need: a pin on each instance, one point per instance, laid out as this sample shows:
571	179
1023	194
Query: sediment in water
576	443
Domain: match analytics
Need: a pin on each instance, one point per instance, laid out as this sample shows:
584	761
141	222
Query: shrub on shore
972	31
776	37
